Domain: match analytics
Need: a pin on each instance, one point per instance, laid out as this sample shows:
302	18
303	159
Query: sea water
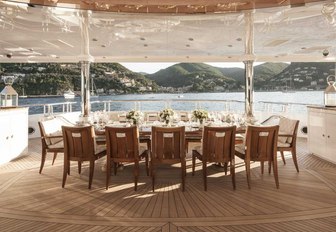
156	102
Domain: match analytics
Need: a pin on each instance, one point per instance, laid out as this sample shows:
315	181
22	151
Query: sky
154	67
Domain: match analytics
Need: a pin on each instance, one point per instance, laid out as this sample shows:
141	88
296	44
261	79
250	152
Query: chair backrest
122	117
51	127
218	144
122	142
152	116
79	143
184	116
261	143
168	143
289	127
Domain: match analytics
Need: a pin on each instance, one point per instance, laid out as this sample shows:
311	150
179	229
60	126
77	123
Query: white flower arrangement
167	114
200	114
134	116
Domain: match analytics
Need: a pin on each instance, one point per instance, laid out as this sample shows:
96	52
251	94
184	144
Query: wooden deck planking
306	195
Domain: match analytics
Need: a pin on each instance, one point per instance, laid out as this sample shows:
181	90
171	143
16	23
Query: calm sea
300	97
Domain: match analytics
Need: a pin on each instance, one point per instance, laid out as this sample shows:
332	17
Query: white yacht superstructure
86	31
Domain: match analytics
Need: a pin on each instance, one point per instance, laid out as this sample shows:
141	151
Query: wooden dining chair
51	139
123	146
288	129
218	146
260	145
152	116
168	147
80	146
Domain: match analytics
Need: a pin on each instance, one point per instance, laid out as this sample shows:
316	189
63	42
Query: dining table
193	131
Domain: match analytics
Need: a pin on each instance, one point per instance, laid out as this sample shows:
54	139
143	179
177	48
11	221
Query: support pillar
249	90
249	53
85	90
85	60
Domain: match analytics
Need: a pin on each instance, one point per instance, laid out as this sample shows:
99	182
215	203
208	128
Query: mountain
183	74
189	74
261	72
196	77
303	76
54	78
237	74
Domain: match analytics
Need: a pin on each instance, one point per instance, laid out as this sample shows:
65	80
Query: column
249	54
85	89
85	60
249	91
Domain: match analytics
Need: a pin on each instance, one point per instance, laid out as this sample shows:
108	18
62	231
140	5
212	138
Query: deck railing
159	104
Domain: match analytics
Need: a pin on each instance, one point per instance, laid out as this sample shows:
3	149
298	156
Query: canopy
176	31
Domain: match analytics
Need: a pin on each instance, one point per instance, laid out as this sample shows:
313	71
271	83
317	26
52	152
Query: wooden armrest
285	135
53	136
196	154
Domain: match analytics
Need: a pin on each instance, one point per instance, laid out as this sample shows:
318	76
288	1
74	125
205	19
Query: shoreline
44	96
238	91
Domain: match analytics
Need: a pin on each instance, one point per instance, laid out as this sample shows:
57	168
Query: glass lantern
330	92
8	96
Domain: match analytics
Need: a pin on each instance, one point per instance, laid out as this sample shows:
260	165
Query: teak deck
30	201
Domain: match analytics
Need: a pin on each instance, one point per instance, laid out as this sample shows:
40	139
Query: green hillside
54	78
184	74
198	77
110	78
194	74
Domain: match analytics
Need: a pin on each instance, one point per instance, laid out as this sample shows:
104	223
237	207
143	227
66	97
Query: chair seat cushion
54	137
198	149
240	148
280	144
58	145
142	148
286	126
100	149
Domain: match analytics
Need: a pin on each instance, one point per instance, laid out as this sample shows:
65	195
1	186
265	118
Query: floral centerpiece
134	116
200	115
167	115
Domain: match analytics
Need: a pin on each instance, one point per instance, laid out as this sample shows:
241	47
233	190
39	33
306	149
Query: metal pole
85	89
86	59
249	52
249	91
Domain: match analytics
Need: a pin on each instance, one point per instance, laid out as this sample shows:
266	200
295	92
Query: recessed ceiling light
103	45
229	57
142	38
104	57
94	39
187	57
187	45
303	48
239	39
146	57
230	46
191	39
145	45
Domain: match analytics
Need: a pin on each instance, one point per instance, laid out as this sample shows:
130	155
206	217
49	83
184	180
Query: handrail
266	106
48	109
284	103
137	103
